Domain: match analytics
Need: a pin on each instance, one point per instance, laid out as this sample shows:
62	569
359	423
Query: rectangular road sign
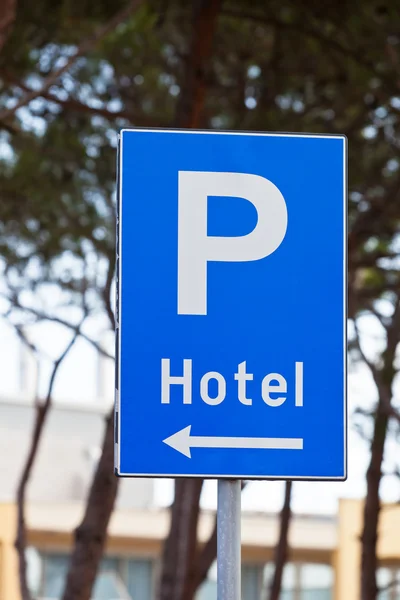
231	308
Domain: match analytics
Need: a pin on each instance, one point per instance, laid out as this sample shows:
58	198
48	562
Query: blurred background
71	75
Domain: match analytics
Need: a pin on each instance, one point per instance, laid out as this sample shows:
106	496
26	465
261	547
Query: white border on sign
118	350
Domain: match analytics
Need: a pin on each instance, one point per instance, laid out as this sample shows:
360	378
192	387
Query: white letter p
196	248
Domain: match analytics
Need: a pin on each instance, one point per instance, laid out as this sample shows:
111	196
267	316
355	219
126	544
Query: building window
290	581
109	585
53	576
208	589
316	582
301	581
251	582
133	579
388	580
139	580
118	578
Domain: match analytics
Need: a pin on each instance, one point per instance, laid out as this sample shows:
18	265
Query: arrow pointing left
183	441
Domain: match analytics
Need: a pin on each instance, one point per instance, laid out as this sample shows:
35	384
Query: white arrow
182	441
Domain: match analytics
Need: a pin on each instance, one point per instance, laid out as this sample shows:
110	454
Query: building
324	555
67	457
324	551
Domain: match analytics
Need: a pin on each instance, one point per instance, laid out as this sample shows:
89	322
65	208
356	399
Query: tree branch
180	546
107	289
19	331
90	536
282	546
383	377
41	415
86	46
8	10
41	316
74	105
206	557
386	404
356	55
192	97
372	367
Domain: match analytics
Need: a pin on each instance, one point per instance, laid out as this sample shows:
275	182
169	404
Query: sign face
231	309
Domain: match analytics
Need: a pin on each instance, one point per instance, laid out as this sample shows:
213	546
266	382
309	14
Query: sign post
228	539
231	313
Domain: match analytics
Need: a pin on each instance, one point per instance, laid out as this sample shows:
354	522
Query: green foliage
293	66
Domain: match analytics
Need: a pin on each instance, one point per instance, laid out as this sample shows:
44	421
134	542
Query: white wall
67	456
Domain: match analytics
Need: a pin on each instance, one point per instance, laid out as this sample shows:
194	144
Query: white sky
78	382
314	497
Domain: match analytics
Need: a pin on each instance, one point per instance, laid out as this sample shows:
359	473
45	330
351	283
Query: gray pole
228	545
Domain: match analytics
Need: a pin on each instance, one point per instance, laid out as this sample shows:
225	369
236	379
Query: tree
7	18
383	370
282	546
73	73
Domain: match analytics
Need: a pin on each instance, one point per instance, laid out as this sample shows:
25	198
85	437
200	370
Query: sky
315	497
87	379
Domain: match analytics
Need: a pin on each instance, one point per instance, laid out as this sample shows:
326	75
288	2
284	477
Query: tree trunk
42	411
178	579
369	537
282	546
8	10
90	536
193	91
20	542
383	378
205	558
180	548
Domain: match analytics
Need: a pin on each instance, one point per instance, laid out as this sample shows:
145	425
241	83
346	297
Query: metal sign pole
228	544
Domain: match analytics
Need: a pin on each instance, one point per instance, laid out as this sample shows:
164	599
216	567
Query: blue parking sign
231	308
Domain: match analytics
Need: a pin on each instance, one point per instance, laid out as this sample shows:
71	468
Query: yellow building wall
348	555
9	588
347	561
346	558
389	534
